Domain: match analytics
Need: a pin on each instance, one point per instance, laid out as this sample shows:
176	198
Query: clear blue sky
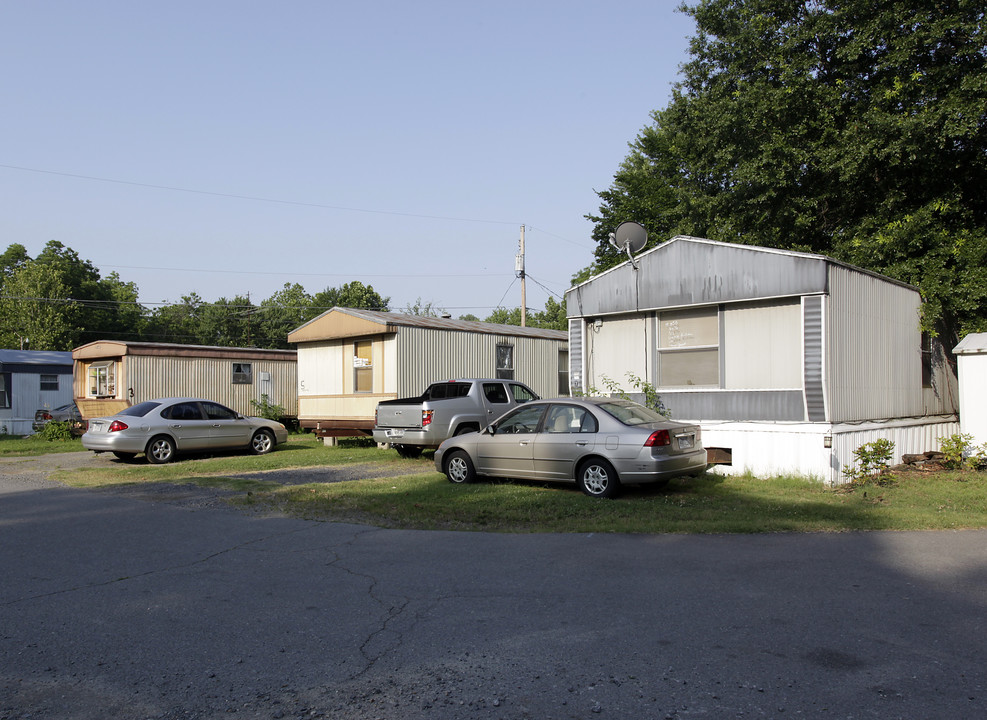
230	147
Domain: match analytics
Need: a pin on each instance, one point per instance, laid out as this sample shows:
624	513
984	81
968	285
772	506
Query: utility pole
519	269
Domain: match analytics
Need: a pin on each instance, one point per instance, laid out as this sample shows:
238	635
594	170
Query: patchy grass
710	504
410	494
17	446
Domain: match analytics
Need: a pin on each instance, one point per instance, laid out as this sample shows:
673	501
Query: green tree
551	318
844	127
35	309
281	313
353	295
179	322
423	309
229	323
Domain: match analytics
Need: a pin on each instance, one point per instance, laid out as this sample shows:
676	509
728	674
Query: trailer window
505	362
102	379
363	366
4	390
243	374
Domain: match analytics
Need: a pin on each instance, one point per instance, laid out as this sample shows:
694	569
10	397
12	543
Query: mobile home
109	375
350	359
789	361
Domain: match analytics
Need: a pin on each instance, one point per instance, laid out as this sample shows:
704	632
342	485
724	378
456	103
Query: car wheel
459	468
261	443
125	456
408	451
160	450
597	478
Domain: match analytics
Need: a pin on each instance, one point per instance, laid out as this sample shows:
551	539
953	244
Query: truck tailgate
399	416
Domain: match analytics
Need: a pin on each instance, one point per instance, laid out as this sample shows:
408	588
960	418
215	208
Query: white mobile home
32	380
349	360
789	361
110	375
971	360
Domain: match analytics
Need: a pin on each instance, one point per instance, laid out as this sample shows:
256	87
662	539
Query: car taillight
426	418
117	426
658	438
46	416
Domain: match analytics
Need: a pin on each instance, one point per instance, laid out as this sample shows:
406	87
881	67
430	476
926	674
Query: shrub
56	431
267	409
961	453
872	461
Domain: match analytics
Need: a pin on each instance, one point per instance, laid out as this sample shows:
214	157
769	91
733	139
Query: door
508	452
568	435
187	425
227	429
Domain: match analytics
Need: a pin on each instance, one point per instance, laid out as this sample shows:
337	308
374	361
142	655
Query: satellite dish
629	237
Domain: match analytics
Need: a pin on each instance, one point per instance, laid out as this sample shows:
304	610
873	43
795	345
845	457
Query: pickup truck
445	409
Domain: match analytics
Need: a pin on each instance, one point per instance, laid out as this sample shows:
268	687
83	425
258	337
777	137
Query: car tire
597	478
409	452
160	450
262	442
459	468
125	456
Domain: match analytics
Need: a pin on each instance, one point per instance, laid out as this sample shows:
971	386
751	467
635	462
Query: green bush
961	453
267	409
56	431
872	461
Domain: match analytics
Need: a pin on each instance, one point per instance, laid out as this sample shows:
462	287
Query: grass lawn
413	495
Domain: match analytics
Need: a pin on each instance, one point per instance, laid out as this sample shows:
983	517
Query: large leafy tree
35	309
845	127
353	295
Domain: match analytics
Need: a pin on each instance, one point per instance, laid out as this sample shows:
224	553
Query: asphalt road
118	607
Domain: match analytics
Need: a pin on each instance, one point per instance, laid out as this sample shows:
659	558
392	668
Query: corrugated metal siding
427	355
874	348
749	405
153	377
812	362
693	271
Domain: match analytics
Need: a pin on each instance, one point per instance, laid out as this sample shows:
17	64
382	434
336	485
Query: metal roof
35	357
972	344
391	319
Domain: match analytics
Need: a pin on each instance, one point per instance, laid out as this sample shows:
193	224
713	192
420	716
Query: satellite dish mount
629	237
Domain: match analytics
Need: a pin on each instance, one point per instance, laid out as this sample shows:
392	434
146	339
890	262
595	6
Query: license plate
685	443
395	434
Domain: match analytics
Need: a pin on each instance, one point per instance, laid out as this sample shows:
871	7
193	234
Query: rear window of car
631	413
440	391
140	409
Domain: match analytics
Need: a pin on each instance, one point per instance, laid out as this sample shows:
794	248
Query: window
5	390
926	360
183	411
215	411
521	393
494	393
49	382
243	374
689	348
102	379
505	362
440	391
522	421
563	372
569	419
363	366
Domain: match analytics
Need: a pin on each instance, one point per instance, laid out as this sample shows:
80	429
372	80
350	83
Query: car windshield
630	413
140	409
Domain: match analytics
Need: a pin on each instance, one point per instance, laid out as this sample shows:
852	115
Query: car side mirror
490	430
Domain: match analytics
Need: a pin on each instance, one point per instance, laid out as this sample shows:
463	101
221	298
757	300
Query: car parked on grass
63	413
160	429
598	443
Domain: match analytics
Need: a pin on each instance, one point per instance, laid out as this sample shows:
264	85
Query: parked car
598	443
63	413
163	428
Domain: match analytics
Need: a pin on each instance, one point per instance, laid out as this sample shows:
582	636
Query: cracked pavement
113	606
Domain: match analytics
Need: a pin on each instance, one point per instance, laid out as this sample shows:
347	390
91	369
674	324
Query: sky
228	147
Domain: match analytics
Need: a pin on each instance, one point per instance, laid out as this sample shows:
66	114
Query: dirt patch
34	471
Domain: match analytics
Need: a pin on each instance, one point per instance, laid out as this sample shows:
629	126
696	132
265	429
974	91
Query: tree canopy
848	128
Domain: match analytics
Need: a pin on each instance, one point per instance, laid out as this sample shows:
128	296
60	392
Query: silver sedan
163	428
597	443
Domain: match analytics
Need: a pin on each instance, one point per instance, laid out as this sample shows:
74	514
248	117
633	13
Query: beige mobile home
349	360
109	375
789	361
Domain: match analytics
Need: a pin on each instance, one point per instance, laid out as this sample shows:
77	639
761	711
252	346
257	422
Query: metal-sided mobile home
32	380
110	375
789	361
349	360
